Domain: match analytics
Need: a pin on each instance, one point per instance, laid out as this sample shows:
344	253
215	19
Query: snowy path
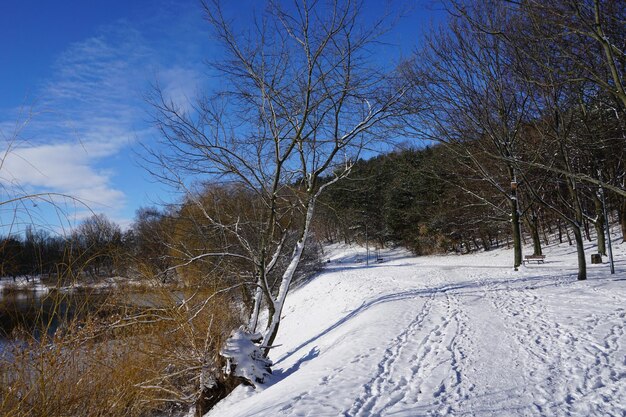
449	335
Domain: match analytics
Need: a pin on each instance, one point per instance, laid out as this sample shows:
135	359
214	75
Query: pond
35	312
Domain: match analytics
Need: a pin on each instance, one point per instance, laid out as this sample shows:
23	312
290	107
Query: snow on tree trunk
274	322
244	357
254	317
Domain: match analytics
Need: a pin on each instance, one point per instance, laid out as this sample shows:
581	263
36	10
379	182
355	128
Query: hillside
448	335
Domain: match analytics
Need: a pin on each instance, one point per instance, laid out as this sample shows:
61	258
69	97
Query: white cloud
180	85
66	168
91	110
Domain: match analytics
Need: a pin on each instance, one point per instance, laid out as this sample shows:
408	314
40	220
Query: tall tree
301	98
476	102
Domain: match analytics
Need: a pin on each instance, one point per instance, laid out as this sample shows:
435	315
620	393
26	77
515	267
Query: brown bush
124	359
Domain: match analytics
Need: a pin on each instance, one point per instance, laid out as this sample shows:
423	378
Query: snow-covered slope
448	335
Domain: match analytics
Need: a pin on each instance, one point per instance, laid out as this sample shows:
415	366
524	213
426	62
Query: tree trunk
536	240
516	232
587	232
578	213
274	322
580	250
622	218
599	225
533	224
569	238
274	318
254	316
546	235
486	243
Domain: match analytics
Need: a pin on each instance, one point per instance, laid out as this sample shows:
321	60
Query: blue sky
73	78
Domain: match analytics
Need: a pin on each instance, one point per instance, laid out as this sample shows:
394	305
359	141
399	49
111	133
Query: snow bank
448	335
22	283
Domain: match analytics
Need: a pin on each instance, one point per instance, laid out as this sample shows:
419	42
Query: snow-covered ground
21	283
448	335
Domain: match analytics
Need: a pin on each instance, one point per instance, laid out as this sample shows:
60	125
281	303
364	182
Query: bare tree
300	100
477	107
588	33
100	242
580	43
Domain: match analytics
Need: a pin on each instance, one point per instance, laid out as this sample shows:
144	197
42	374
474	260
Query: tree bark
254	316
599	224
587	232
274	320
534	228
532	221
580	250
577	229
517	232
622	216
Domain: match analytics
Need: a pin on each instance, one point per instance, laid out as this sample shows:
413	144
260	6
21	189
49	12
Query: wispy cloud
87	111
180	85
91	109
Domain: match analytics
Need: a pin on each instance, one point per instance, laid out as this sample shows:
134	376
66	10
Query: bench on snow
534	258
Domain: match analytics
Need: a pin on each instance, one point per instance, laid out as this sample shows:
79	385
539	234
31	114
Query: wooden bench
534	258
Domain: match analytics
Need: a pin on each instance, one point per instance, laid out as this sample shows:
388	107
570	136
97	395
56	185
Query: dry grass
119	360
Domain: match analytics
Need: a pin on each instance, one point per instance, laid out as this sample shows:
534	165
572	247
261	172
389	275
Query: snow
22	284
244	354
448	335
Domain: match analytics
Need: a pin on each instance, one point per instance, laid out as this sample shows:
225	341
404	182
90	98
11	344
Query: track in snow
458	336
542	364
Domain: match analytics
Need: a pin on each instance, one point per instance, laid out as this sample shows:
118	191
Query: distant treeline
175	244
423	199
97	248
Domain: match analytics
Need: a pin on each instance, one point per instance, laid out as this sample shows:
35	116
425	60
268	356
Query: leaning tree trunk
278	304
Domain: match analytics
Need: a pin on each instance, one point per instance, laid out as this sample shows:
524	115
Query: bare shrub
135	355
